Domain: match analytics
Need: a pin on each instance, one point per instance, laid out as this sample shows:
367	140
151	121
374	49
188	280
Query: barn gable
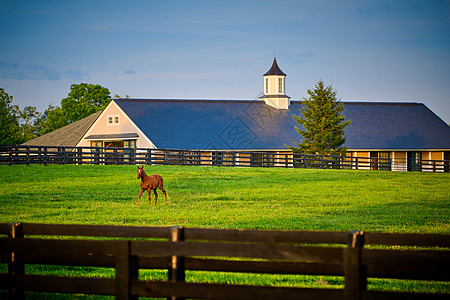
114	128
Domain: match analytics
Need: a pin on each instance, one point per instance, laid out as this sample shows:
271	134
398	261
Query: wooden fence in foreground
353	255
20	154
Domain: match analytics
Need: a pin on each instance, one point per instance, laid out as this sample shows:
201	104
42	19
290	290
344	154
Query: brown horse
150	183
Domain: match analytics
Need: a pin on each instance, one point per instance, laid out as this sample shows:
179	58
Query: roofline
64	128
274	96
84	133
351	102
379	103
255	100
112	102
184	100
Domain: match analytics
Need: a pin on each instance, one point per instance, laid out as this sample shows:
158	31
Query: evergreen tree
322	121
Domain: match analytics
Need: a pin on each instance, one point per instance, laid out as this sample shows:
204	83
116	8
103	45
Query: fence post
127	269
97	156
215	160
355	275
63	155
149	156
176	263
39	155
10	155
80	155
27	151
15	261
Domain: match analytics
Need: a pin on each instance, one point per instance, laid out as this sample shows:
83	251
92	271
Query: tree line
321	117
18	126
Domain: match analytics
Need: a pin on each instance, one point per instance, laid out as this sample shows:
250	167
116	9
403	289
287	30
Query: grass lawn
244	198
219	197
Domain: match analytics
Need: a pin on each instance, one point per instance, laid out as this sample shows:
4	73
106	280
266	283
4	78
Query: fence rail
20	154
177	249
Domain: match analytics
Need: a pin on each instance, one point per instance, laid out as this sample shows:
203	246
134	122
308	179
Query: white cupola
275	88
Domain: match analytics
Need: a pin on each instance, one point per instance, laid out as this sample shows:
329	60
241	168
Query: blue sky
368	50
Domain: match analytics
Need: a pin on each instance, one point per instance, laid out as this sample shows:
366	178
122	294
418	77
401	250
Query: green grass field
245	198
219	197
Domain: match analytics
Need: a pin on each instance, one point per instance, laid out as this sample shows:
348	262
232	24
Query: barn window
96	144
113	120
129	144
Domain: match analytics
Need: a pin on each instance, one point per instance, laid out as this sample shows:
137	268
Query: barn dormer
275	88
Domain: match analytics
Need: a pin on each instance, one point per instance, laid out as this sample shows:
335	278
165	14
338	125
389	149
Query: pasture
233	198
220	197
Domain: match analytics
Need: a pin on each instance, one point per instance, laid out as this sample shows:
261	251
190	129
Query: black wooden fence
20	154
354	256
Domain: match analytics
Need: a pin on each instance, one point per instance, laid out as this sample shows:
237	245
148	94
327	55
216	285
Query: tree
9	125
83	100
28	120
117	96
18	126
52	119
322	121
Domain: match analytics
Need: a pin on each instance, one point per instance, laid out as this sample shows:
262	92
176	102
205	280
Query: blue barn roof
251	124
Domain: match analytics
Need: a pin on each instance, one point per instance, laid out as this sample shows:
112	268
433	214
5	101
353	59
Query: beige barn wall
125	126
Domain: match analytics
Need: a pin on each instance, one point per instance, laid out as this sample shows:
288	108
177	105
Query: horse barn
399	132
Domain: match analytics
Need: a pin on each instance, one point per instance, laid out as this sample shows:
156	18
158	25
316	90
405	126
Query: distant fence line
354	256
21	154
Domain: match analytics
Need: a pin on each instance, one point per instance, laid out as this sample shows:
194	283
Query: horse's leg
149	196
156	196
140	194
164	192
